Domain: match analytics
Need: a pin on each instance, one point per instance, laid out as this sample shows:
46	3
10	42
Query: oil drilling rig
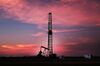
48	51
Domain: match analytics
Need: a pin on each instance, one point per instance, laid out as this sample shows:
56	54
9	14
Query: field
49	61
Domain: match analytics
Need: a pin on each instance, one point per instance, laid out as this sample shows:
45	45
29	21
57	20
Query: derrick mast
50	42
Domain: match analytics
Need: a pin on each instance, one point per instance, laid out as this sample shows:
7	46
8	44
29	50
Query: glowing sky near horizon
23	26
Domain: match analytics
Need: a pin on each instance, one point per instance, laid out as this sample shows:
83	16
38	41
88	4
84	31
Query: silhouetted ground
49	61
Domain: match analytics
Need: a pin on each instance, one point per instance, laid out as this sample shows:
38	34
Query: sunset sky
23	27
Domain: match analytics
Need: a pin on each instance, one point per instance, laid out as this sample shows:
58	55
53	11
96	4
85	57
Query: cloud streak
71	12
18	50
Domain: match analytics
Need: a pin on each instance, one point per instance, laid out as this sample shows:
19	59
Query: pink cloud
39	34
37	14
65	30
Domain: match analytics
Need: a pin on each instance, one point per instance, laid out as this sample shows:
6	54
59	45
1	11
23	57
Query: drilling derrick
50	47
48	50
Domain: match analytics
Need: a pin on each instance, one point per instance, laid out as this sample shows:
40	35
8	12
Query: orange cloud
19	49
27	49
7	47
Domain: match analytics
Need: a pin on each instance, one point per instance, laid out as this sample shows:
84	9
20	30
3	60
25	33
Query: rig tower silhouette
48	50
50	39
